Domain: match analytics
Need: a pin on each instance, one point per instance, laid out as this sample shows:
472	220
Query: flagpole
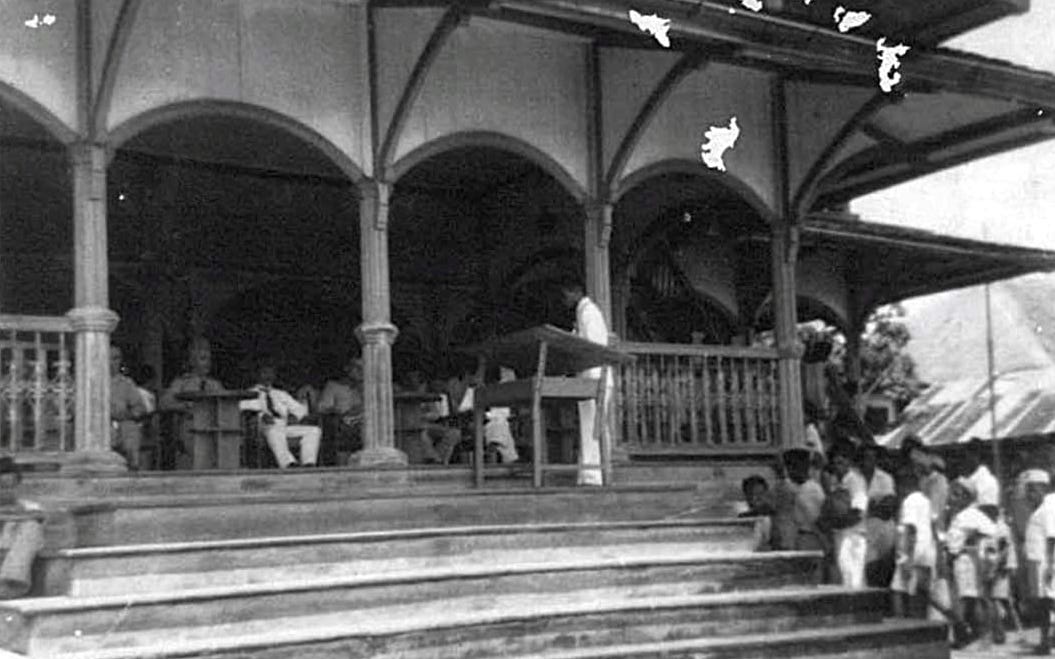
990	379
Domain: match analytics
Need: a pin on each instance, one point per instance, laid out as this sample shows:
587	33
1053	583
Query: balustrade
36	384
697	399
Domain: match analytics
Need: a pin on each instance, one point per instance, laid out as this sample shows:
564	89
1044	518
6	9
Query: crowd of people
950	547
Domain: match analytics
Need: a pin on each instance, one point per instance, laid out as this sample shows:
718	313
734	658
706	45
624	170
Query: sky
1009	198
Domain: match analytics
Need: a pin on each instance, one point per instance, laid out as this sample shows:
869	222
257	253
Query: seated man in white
275	407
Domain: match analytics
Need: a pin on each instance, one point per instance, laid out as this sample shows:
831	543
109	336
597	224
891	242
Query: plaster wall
711	97
628	78
821	276
816	114
304	60
526	84
41	63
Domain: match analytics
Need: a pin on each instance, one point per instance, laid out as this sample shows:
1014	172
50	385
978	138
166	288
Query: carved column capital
377	333
92	319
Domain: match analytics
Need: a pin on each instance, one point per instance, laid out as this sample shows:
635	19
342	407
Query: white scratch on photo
719	140
848	20
889	62
655	25
753	5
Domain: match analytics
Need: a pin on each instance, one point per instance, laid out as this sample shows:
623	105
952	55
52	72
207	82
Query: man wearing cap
1039	528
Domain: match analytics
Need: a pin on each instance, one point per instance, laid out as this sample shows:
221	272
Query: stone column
376	333
91	319
595	247
784	247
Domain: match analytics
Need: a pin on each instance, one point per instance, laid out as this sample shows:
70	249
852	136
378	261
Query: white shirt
986	485
589	322
966	523
915	512
282	403
854	484
1039	528
881	485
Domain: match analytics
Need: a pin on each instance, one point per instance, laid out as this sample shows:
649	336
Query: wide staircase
419	572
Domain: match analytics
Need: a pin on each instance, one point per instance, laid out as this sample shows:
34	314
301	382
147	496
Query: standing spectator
797	504
970	532
916	553
846	515
127	410
589	325
1039	528
1004	566
985	484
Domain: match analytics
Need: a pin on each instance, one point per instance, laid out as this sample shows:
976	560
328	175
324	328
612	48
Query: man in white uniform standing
590	325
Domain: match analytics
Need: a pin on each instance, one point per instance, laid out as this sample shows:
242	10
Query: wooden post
785	319
598	277
376	333
91	318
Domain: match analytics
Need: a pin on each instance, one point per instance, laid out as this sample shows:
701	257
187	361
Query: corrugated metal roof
954	412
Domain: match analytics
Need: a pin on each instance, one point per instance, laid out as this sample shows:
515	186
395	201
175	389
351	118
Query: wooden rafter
808	188
443	30
923	156
115	49
688	63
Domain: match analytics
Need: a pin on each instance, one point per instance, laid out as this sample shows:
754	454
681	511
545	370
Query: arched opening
687	254
231	227
36	217
478	237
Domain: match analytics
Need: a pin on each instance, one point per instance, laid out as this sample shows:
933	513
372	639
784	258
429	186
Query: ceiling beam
804	46
857	174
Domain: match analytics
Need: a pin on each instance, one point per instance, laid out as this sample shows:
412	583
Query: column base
378	456
93	462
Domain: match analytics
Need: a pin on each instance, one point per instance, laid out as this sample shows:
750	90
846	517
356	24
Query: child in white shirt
916	552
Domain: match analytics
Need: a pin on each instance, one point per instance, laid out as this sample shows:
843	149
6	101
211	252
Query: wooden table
551	354
216	427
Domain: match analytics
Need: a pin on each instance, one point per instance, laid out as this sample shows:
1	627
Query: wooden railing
697	399
36	384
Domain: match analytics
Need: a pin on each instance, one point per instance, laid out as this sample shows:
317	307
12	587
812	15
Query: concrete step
39	625
93	571
489	625
184	518
892	639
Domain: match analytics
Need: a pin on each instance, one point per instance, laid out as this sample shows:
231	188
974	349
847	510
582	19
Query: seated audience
195	379
344	397
275	408
22	537
497	432
127	410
